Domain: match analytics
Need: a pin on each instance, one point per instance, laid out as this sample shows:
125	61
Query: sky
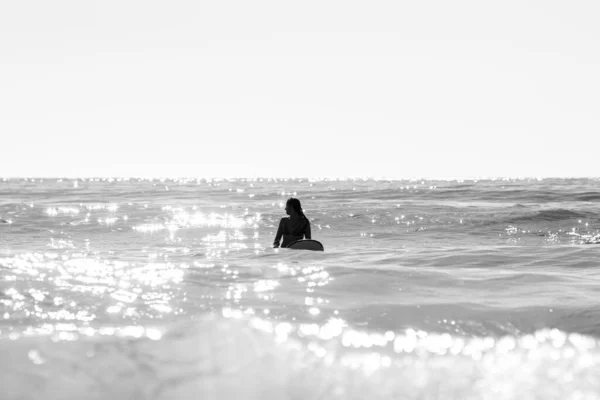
400	89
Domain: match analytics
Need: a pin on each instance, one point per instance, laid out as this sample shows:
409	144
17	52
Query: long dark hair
296	206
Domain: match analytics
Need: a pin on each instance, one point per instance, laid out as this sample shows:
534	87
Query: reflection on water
48	287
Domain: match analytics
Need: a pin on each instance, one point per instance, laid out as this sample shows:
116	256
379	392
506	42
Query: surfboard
306	244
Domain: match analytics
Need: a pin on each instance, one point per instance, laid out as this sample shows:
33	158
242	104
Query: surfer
292	228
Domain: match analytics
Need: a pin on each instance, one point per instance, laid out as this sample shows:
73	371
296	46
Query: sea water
170	289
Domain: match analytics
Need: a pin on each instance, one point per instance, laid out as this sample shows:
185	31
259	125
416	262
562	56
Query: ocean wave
218	358
557	214
587	196
524	195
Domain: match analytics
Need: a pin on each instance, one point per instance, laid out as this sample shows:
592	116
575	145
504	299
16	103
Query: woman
295	227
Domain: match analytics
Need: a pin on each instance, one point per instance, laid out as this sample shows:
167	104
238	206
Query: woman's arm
307	231
279	234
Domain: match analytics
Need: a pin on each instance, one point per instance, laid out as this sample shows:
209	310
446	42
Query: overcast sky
314	88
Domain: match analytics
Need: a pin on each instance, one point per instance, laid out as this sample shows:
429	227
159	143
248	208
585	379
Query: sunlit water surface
169	289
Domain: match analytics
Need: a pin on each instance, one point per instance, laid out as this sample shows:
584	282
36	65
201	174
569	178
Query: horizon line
322	177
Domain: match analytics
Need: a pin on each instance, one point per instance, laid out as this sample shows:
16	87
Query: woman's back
292	228
295	227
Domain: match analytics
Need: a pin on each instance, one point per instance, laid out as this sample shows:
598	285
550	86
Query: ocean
170	289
